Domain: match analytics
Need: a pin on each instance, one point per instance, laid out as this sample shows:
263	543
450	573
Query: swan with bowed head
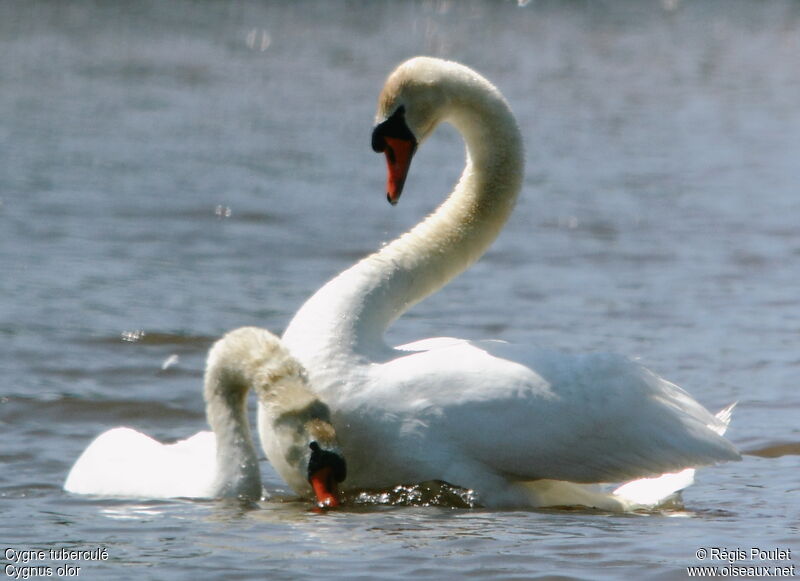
296	435
518	425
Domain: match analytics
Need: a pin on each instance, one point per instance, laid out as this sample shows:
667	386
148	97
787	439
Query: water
170	171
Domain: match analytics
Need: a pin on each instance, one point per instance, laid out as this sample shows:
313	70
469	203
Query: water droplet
133	336
569	222
258	39
170	361
671	5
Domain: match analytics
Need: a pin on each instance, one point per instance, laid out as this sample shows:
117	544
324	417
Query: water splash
430	493
132	336
222	211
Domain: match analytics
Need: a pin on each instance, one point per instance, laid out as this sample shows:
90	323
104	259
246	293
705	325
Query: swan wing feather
125	462
531	414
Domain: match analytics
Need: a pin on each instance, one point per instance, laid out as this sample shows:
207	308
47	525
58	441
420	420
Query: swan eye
394	127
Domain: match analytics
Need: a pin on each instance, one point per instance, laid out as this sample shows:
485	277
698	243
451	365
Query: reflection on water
131	512
776	450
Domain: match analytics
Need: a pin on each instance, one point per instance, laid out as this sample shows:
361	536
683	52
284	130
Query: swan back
127	463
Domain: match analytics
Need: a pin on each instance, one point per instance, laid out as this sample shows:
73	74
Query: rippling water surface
170	171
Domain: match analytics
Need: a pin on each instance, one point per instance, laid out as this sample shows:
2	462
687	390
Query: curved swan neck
247	358
349	315
225	393
465	225
295	428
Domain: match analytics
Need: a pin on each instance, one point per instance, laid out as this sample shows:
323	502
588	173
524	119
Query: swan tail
639	494
724	416
653	492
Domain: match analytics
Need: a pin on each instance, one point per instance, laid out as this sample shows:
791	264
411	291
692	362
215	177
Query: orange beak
324	485
398	159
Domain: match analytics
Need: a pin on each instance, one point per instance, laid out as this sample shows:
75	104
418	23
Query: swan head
297	434
423	92
300	442
413	102
314	453
294	425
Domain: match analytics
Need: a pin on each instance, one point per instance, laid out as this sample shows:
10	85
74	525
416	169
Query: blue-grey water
172	170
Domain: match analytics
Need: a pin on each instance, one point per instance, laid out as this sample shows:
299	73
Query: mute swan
519	426
294	424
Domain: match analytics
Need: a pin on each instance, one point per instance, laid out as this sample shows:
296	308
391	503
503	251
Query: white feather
124	462
488	416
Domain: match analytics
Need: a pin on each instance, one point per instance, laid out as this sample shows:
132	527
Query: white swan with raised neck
294	426
349	315
520	426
